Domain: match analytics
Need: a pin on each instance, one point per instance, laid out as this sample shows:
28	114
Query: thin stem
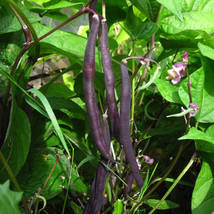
152	42
103	9
188	85
40	192
79	13
12	177
175	182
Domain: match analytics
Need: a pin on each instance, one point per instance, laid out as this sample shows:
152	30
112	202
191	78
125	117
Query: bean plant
126	126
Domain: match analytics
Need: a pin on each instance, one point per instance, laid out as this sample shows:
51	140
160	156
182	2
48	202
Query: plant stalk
175	182
15	182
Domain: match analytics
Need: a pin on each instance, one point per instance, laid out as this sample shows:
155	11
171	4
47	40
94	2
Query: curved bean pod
88	84
97	189
125	102
109	81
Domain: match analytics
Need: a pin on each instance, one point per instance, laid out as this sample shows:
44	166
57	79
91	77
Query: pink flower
178	70
194	108
148	160
138	163
185	58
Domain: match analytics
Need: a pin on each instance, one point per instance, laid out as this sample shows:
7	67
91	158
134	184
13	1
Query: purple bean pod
109	81
97	189
90	97
98	185
125	102
129	182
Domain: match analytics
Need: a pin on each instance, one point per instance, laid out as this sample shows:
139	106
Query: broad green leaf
203	193
9	22
206	50
55	6
165	87
137	28
67	106
38	167
76	208
178	41
203	141
173	6
165	205
186	39
168	90
9	200
197	90
149	8
17	141
59	90
207	109
196	16
118	207
202	91
210	131
115	10
10	46
64	43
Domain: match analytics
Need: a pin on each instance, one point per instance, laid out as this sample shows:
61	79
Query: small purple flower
195	109
185	58
148	160
139	163
178	70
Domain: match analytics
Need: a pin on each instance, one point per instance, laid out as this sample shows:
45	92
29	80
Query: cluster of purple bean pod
120	125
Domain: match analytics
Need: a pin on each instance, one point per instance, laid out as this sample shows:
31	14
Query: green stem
162	179
103	9
175	182
188	85
12	177
146	66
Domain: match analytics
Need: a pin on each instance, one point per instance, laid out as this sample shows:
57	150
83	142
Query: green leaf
196	16
207	109
168	90
38	167
17	141
206	50
59	90
149	8
197	88
173	6
202	91
56	6
203	193
52	117
64	43
165	205
137	28
118	207
76	208
9	22
67	106
9	200
115	10
203	141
